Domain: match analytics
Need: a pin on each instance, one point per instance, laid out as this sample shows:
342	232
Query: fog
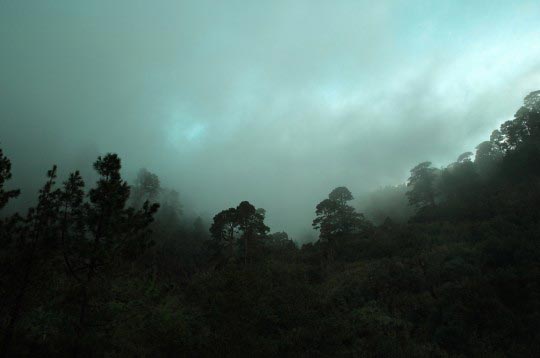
274	102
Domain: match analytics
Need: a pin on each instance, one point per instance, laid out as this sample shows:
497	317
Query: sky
275	102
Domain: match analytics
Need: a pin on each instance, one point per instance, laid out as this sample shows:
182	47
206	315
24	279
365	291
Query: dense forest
445	265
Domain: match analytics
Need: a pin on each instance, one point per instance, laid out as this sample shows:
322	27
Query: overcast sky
275	102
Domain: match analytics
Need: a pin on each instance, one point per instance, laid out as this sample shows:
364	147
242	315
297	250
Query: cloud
273	102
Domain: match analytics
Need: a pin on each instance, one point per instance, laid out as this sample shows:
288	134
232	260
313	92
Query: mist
272	102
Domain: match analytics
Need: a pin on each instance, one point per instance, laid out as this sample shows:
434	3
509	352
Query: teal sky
276	102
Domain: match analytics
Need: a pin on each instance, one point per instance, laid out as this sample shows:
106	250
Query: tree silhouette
251	222
6	223
224	230
115	231
5	175
37	237
422	184
336	219
525	125
244	223
341	195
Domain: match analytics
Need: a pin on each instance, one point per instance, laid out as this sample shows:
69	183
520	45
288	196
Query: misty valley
444	265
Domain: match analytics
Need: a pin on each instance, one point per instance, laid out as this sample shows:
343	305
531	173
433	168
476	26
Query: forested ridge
112	269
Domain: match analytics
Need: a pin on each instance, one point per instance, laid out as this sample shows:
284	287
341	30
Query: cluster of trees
103	272
67	231
243	224
464	188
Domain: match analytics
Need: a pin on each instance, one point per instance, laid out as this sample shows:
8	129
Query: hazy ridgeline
445	265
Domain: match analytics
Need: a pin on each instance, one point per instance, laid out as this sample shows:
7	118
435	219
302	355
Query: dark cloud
275	102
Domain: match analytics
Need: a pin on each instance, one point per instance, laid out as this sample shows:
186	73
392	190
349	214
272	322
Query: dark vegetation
103	272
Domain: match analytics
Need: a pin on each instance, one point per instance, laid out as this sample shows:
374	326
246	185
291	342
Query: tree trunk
245	249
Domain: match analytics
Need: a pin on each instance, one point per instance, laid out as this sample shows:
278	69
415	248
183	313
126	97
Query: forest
110	269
